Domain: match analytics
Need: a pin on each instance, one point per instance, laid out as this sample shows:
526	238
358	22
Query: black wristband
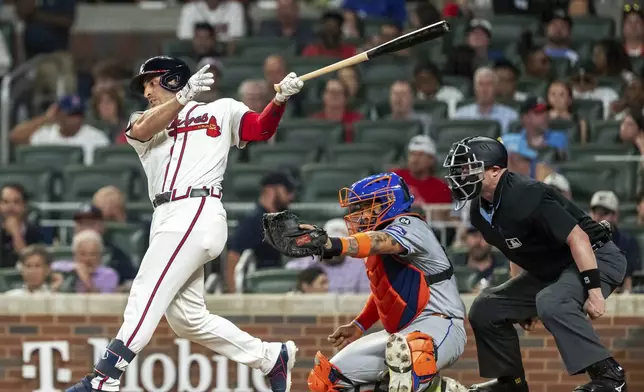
336	248
591	279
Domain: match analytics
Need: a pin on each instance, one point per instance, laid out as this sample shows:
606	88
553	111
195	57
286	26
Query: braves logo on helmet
173	72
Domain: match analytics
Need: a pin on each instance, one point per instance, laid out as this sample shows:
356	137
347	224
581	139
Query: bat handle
303	78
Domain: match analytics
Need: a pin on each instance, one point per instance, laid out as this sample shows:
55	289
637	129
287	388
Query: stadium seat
568	126
507	28
463	278
49	156
81	182
120	234
261	47
394	133
605	132
303	65
139	211
450	131
378	93
361	155
318	213
282	155
236	75
585	152
322	182
37	181
177	47
7	29
436	109
117	154
11	277
592	28
61	253
310	132
532	86
560	67
588	177
380	73
589	109
271	281
242	182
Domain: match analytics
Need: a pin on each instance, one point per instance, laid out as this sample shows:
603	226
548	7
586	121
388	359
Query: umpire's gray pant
559	306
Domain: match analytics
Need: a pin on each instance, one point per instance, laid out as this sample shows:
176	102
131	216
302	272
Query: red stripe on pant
158	284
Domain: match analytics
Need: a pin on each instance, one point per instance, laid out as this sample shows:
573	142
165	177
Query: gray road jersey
425	253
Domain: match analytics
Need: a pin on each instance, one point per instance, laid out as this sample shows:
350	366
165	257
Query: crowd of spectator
211	29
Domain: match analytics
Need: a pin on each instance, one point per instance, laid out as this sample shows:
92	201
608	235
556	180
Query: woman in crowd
335	101
109	113
560	107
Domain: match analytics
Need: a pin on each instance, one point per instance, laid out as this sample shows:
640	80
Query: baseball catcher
423	333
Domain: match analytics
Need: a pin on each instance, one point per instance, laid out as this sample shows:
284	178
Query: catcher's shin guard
411	361
325	376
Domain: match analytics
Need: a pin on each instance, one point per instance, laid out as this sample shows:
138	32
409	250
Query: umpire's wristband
337	246
591	279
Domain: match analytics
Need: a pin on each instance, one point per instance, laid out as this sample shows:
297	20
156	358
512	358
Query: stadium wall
46	342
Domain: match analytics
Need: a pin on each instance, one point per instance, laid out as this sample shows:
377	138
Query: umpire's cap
174	73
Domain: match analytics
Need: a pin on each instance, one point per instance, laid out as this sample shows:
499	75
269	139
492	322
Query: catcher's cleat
280	376
399	361
500	386
84	385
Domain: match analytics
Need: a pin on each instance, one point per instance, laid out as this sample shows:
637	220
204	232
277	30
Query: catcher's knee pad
423	355
116	358
325	376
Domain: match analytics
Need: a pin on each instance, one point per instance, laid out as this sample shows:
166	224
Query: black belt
166	197
440	277
598	244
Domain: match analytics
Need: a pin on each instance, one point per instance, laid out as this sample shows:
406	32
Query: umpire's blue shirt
249	234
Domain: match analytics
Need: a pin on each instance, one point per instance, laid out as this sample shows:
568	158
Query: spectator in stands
275	69
508	76
523	159
254	93
277	193
640	209
90	217
111	202
479	34
633	30
312	280
330	35
47	25
479	259
604	205
388	30
401	105
632	101
394	10
62	124
109	75
631	131
288	24
536	64
585	86
558	29
581	8
335	100
619	63
35	268
345	274
420	175
560	106
204	42
217	68
89	276
486	107
461	61
350	76
353	26
534	122
560	183
108	114
428	84
226	16
16	233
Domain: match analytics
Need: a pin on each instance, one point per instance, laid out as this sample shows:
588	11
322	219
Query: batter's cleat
605	376
84	385
500	386
398	360
280	376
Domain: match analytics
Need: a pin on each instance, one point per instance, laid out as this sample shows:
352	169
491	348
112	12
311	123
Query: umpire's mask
465	173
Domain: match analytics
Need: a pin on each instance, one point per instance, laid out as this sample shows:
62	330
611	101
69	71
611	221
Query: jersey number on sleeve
213	130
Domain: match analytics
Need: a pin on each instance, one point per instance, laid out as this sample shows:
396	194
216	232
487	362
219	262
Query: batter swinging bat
421	35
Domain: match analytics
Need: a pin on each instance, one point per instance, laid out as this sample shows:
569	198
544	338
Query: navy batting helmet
174	73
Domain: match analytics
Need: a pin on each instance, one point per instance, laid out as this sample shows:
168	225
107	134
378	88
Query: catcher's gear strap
364	244
325	376
110	363
441	276
423	355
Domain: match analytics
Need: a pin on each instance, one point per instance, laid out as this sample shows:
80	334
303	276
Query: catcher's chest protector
400	290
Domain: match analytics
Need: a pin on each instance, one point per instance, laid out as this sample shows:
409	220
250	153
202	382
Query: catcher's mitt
282	231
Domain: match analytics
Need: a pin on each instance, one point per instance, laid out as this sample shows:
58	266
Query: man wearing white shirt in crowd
346	274
226	16
401	105
63	124
584	86
429	85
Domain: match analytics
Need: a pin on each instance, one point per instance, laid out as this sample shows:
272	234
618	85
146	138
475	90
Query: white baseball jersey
193	150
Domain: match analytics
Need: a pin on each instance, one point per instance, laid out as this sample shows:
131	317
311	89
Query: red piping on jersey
174	133
261	126
167	167
176	171
165	271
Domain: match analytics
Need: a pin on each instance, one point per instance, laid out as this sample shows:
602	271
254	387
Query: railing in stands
8	97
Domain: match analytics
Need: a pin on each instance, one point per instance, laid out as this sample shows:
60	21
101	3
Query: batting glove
199	82
290	85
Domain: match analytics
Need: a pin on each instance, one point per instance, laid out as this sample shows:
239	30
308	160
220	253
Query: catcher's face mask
466	174
366	211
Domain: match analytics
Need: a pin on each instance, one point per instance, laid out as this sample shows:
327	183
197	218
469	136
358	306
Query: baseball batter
183	146
413	293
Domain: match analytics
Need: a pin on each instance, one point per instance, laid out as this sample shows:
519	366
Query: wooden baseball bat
416	37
